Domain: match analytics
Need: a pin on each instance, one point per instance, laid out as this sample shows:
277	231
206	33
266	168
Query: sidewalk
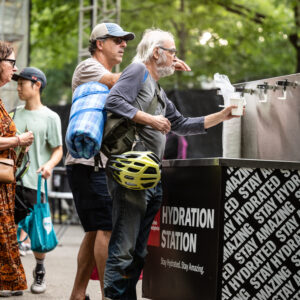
61	269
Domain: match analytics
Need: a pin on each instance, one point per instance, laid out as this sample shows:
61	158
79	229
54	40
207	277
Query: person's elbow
110	79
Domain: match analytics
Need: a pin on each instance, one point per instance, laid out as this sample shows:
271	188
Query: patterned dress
12	275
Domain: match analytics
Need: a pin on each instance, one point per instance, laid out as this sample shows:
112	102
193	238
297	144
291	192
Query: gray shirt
88	70
134	91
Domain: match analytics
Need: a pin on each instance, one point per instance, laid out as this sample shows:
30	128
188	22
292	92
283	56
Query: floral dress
12	275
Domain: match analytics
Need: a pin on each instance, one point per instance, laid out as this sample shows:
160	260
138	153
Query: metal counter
238	162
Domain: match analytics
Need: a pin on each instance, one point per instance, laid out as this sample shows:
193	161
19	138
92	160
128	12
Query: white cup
239	102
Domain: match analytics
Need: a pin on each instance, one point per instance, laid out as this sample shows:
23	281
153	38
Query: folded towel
87	119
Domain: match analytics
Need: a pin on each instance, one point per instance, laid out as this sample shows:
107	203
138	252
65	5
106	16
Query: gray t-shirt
88	70
134	91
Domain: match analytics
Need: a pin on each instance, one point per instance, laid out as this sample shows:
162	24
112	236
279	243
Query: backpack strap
97	162
156	98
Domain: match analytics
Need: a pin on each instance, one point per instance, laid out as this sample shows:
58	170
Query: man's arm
109	79
55	158
196	125
216	118
121	97
159	122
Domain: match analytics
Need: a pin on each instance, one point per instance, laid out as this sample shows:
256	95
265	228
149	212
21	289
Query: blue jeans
133	214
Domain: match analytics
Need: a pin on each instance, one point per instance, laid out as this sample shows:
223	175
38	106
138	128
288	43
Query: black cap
32	74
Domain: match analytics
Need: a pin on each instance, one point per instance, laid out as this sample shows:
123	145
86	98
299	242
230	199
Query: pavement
61	268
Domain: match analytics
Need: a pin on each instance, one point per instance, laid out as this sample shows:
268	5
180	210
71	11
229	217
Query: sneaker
27	247
5	293
39	284
22	249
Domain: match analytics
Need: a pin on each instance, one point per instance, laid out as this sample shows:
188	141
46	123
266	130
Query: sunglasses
115	39
11	61
171	50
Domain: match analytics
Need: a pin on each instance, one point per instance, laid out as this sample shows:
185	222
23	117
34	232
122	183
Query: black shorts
28	198
92	201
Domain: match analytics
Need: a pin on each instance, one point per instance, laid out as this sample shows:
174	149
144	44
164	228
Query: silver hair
152	38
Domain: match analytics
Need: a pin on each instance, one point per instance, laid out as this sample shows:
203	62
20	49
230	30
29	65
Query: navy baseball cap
32	74
110	29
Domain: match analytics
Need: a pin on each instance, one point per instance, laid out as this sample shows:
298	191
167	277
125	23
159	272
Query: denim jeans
133	214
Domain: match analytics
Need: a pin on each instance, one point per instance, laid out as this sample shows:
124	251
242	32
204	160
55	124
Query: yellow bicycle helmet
135	170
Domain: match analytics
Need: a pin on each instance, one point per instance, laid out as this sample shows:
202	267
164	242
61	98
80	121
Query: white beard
165	71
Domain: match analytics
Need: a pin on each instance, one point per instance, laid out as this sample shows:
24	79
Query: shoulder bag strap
153	104
23	171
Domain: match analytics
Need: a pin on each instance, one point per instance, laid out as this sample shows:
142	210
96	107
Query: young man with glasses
93	203
134	210
45	152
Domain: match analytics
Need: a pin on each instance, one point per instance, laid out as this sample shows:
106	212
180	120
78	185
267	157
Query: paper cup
239	103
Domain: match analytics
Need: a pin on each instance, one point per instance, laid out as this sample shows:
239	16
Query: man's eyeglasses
171	50
11	61
116	40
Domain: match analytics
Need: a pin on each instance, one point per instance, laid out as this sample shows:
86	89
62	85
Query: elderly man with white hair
134	210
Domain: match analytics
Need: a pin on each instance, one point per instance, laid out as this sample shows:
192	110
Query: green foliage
53	44
238	46
245	40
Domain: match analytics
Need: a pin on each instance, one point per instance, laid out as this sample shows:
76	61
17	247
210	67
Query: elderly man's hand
161	124
227	112
180	65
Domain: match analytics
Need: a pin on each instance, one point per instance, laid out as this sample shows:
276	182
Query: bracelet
18	141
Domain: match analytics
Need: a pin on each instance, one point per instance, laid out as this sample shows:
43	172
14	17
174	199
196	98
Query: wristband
18	141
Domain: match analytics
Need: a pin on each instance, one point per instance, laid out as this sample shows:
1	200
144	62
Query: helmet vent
150	170
133	170
138	164
154	157
147	185
147	178
132	156
131	184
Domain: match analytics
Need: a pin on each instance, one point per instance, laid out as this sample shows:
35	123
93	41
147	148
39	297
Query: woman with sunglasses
12	275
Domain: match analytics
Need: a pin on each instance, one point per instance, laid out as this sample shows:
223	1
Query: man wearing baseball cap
110	30
44	153
93	204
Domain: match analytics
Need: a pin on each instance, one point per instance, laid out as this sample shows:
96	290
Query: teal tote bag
38	225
